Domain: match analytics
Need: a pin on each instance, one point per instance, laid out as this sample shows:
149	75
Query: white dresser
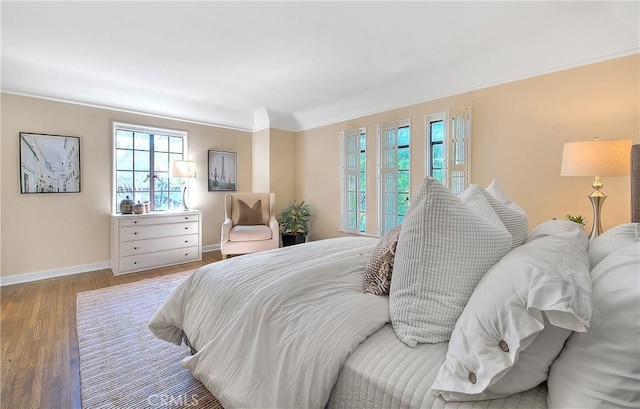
158	239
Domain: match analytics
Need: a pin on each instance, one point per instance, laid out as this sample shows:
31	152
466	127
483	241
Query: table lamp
184	169
596	158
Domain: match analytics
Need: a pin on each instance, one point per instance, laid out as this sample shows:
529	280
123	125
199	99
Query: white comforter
273	330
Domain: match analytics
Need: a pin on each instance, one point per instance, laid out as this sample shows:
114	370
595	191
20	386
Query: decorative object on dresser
184	169
159	239
49	163
596	158
126	206
242	231
223	171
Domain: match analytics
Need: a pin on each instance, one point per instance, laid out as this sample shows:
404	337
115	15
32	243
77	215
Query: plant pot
291	239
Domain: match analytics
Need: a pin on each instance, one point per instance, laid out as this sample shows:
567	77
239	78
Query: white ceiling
295	65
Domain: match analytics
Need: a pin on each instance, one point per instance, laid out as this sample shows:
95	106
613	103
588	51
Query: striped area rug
122	364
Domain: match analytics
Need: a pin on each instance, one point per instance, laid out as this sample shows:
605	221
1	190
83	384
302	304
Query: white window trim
381	171
138	128
447	117
344	225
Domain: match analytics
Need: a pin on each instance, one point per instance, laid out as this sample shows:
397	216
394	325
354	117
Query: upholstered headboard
635	183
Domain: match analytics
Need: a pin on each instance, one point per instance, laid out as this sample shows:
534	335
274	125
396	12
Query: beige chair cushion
248	216
250	233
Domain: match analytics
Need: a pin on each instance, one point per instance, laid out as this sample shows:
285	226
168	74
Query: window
354	180
142	159
395	173
448	148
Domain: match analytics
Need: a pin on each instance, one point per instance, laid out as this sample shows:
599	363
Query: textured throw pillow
601	368
473	197
444	250
512	215
248	216
517	320
613	239
377	272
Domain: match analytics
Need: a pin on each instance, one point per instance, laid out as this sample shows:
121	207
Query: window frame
384	172
128	127
361	183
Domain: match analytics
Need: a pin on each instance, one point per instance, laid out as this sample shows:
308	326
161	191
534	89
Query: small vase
126	206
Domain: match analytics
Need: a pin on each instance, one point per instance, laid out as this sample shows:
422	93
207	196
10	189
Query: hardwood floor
39	343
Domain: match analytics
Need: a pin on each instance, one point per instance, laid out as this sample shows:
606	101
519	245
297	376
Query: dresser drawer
157	230
158	259
130	248
151	219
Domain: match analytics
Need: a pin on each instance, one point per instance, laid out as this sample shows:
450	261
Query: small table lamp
184	169
596	158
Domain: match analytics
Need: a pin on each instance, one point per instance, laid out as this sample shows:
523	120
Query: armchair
241	237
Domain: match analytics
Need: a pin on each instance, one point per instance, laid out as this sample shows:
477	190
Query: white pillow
496	191
443	251
553	227
517	320
601	368
611	240
513	216
473	197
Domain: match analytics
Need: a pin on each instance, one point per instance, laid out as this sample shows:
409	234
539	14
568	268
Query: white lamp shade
596	158
183	169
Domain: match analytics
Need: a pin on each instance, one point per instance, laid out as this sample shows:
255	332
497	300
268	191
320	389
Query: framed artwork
222	171
49	163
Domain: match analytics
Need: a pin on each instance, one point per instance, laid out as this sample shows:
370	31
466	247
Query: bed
302	333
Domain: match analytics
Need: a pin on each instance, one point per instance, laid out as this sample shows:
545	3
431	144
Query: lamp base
184	197
597	199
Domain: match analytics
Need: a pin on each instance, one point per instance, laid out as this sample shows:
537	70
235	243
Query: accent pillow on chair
248	216
443	251
517	320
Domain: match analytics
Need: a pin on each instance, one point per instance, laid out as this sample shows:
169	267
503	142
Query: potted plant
294	223
577	218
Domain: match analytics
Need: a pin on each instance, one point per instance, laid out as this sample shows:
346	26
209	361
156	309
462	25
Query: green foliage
295	218
577	218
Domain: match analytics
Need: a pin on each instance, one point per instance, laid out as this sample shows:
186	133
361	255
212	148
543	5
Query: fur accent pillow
377	272
248	216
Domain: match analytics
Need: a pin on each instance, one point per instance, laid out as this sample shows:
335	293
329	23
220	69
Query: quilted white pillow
601	368
517	320
444	250
512	215
613	239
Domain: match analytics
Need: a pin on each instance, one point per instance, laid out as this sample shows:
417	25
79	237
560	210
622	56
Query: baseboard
213	247
60	272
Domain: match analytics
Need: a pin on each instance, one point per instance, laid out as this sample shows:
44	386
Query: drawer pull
135	262
186	228
135	248
186	254
135	233
186	217
135	222
186	241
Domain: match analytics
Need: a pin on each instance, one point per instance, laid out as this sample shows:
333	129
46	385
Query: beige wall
518	132
57	231
261	159
282	170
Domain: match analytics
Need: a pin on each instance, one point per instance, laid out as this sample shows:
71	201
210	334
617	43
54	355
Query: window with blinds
354	177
